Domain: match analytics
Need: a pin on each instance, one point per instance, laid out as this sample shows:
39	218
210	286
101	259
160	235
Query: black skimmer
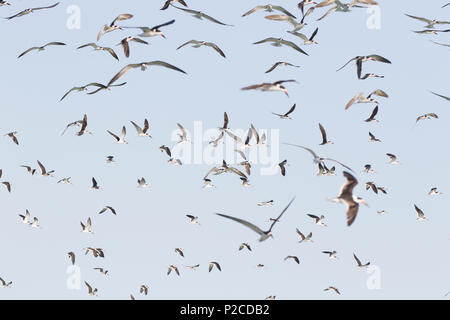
430	31
245	245
372	115
44	171
316	158
111	27
86	228
283	17
143	289
90	291
430	23
169	2
281	63
29	170
295	258
434	191
142	183
41	48
179	251
99	48
106	208
213	264
174	268
125	43
372	138
83	129
392	158
306	40
286	115
193	219
245	182
303	238
207	183
264	203
4	3
332	288
142	132
35	223
26	218
95	185
351	201
5	284
96	252
282	166
183	136
143	66
276	86
324	136
269	8
165	149
278	42
420	214
85	88
65	181
263	234
427	116
368	169
120	140
71	257
216	141
7	185
102	271
331	254
110	159
372	185
271	298
30	10
360	98
360	265
13	135
318	220
359	61
198	44
200	15
193	267
381	212
153	31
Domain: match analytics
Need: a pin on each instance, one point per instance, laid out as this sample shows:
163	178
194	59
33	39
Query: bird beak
285	92
364	203
162	35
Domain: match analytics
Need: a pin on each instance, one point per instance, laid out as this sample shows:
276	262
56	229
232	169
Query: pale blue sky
139	242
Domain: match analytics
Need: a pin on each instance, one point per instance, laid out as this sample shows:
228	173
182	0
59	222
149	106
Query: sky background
413	257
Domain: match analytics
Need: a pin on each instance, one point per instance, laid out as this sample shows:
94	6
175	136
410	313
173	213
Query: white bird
392	158
434	191
26	217
35	223
142	132
142	183
193	219
331	254
208	184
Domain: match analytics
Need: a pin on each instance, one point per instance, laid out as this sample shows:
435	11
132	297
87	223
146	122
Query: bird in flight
295	258
41	48
287	114
332	288
90	291
303	237
99	48
143	66
359	61
120	140
269	8
361	98
263	234
87	228
169	2
200	15
420	214
430	22
275	86
30	10
281	63
13	135
351	201
360	265
198	44
324	136
111	27
278	42
306	40
318	220
284	17
153	31
213	264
